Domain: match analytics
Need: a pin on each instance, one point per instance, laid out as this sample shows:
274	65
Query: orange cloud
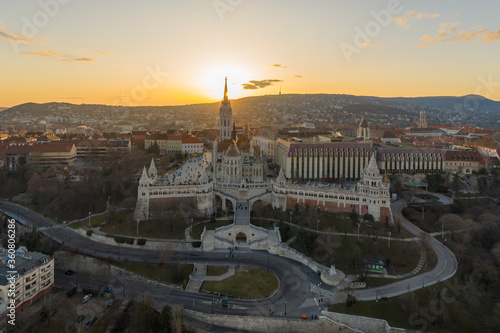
449	34
412	16
54	54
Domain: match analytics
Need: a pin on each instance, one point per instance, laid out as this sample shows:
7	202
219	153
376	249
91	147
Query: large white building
235	178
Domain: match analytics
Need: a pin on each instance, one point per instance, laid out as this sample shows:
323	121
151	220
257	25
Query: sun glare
212	84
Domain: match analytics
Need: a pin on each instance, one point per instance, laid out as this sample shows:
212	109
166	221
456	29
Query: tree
154	149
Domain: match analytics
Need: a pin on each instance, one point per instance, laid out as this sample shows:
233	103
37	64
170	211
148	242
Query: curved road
297	282
445	268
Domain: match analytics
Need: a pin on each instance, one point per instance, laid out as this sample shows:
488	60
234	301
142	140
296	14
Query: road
295	279
445	268
297	282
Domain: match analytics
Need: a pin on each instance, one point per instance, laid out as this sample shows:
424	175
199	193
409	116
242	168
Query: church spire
225	91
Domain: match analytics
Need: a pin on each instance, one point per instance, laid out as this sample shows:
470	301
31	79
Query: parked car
90	322
69	272
86	298
108	290
111	302
79	319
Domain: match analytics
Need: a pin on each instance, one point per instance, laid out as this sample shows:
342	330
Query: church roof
363	123
281	176
152	167
144	177
232	150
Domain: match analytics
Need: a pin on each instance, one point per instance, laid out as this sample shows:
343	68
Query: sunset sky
166	52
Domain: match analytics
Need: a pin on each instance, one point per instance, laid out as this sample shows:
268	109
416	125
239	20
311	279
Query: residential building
34	277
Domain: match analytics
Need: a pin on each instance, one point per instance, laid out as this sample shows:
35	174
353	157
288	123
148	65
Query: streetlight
422	213
389	233
285	304
138	226
213	303
359	225
291	213
442	230
237	248
317	226
423	282
89	218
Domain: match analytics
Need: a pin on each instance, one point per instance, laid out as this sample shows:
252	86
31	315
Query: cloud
54	54
74	59
104	53
412	16
258	84
298	76
44	53
366	44
278	66
448	33
18	38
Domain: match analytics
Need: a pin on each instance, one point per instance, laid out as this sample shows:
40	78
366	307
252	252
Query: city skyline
166	53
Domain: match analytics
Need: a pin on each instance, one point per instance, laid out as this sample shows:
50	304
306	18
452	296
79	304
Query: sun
212	84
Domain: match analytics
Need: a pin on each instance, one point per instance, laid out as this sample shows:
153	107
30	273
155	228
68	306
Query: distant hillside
470	102
287	110
2	109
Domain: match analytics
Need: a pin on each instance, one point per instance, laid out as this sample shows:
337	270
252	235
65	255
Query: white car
86	298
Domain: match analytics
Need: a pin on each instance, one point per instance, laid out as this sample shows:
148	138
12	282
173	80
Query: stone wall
270	324
161	245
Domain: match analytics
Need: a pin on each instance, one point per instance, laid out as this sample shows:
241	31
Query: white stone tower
225	115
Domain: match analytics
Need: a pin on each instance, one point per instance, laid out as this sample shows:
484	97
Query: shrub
71	292
90	232
130	241
196	244
141	241
120	240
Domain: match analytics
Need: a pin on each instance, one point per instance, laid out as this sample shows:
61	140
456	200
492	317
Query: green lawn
167	272
247	282
388	310
404	256
124	224
216	270
95	221
198	229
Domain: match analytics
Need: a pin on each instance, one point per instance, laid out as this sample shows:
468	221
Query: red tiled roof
191	139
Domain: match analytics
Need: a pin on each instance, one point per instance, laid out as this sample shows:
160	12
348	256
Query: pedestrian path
199	275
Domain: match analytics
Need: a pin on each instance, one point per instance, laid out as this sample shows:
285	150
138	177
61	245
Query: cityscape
235	166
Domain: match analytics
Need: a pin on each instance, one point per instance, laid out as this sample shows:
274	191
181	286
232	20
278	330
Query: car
90	322
79	319
86	298
108	290
69	272
111	302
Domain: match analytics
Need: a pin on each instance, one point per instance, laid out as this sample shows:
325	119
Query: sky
169	52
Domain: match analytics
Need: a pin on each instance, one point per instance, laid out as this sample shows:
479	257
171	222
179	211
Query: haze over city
104	52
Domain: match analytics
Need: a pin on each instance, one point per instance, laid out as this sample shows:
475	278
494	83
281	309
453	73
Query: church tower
423	119
363	130
225	115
